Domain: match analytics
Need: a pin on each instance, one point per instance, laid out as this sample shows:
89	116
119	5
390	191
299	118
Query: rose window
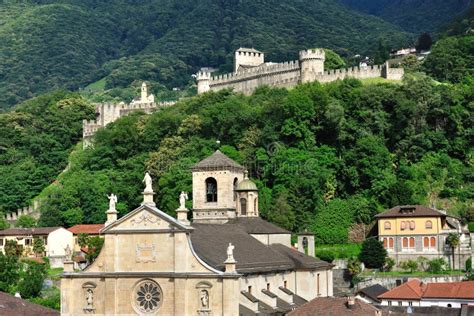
148	297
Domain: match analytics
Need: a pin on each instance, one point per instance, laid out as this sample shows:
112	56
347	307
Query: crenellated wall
109	112
32	210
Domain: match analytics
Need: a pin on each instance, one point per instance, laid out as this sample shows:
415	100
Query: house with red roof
418	294
89	229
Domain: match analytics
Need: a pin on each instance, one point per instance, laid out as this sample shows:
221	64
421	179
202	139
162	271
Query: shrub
373	254
423	263
468	265
389	264
471	227
437	265
409	265
32	282
326	255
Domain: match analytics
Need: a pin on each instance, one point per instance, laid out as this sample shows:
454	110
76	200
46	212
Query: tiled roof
217	161
410	211
10	305
373	291
91	229
455	290
411	290
251	50
256	225
35	231
300	260
323	306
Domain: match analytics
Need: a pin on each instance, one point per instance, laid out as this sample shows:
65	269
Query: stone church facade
251	72
227	261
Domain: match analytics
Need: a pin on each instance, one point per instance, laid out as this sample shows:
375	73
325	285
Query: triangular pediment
145	218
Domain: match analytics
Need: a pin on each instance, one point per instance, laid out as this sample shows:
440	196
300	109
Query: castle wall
354	72
282	75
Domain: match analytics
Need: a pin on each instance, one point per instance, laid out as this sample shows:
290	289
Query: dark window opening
243	206
235	187
211	190
268	286
249	289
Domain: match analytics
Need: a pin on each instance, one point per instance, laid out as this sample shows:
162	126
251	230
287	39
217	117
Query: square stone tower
214	182
247	58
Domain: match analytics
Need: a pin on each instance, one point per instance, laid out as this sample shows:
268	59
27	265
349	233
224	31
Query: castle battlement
109	112
251	73
316	53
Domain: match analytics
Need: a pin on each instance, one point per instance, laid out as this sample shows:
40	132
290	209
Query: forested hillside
416	16
324	156
45	45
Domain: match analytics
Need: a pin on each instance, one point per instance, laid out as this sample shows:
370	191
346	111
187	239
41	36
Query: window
410	303
243	206
318	290
249	289
385	243
211	190
412	225
429	225
399	303
389	303
268	286
449	305
412	242
255	203
387	226
405	242
235	187
433	242
285	284
1	241
27	241
426	242
403	225
390	243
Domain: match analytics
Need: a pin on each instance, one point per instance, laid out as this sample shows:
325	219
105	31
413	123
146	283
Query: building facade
411	231
251	71
228	261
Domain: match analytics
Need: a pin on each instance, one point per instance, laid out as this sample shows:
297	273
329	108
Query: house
89	229
337	306
56	241
418	294
227	261
410	231
11	305
371	293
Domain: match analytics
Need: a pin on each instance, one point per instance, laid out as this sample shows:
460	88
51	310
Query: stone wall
32	210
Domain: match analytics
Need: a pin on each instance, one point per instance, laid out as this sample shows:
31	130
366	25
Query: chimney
68	266
350	302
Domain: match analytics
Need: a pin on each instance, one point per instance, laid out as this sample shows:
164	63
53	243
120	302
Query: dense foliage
45	44
36	139
324	156
373	254
412	15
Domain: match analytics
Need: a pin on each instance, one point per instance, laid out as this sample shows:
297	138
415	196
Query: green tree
424	42
83	240
12	249
409	265
38	246
26	221
9	272
373	254
32	280
453	241
437	266
389	264
94	246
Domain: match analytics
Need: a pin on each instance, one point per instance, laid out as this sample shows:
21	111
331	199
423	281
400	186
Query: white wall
57	242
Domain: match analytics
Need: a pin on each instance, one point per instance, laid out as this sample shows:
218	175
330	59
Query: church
227	261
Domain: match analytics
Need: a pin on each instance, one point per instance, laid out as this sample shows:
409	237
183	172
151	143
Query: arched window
429	225
433	242
390	243
255	203
412	242
211	190
243	206
403	225
405	242
385	245
387	226
412	225
426	242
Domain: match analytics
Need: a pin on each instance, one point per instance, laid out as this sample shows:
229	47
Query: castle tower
311	63
214	182
203	81
247	197
144	93
247	58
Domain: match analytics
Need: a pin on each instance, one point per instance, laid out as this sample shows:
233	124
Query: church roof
210	242
256	225
217	161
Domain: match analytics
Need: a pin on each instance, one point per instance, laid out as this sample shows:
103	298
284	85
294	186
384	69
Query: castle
109	112
251	71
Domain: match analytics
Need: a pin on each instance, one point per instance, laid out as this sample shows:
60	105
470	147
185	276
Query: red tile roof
458	290
411	290
91	229
323	306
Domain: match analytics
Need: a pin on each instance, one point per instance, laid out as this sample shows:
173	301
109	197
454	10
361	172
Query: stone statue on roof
148	182
112	201
230	253
182	200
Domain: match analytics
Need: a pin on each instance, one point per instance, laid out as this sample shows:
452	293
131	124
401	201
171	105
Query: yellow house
411	231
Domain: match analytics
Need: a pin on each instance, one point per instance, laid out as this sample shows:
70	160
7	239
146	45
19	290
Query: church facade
227	261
